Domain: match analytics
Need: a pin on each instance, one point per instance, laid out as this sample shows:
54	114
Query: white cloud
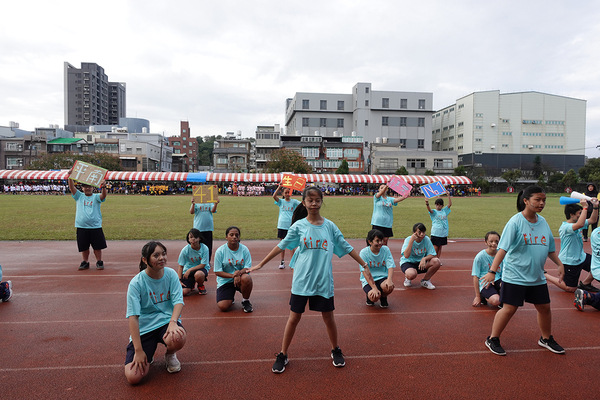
230	65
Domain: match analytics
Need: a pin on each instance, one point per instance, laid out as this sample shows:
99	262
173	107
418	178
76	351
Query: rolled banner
568	200
580	196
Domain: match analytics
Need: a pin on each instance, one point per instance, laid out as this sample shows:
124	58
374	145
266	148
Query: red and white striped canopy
235	177
110	175
335	178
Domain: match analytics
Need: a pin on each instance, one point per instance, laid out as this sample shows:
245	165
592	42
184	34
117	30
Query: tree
460	171
429	172
555	181
512	176
570	179
537	168
591	168
205	150
47	161
402	171
343	168
541	181
284	160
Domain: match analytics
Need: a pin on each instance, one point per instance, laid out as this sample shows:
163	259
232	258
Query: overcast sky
230	65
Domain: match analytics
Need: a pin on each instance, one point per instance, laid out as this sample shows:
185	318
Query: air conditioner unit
530	146
492	147
493	125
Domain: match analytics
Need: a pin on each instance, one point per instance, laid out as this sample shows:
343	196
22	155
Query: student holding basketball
526	243
317	239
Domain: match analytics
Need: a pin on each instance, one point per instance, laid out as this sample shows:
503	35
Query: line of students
519	253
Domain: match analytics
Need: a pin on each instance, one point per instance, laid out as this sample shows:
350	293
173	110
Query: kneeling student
419	257
482	263
381	265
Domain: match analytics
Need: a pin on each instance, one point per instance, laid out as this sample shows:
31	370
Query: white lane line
256	316
269	360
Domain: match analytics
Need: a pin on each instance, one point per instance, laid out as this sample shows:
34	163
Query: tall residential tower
90	99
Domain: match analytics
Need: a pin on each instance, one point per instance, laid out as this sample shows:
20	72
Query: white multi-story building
402	118
505	131
267	140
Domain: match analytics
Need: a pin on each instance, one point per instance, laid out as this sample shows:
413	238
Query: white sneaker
427	285
282	265
173	364
407	282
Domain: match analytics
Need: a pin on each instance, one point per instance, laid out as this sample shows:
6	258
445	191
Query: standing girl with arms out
203	221
383	215
525	244
287	205
232	263
381	266
317	240
154	304
481	265
192	261
439	223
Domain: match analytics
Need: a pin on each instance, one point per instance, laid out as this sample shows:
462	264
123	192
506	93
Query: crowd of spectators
228	188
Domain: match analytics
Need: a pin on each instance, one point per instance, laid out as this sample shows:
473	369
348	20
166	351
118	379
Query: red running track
64	333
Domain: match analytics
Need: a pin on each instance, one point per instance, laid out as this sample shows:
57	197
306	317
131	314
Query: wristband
595	208
493	272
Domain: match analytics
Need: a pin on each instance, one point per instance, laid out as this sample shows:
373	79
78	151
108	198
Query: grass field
167	217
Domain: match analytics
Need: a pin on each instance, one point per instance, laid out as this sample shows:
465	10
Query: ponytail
299	213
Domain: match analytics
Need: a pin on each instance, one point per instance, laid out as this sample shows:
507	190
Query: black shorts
439	241
190	282
367	288
207	237
492	289
227	291
408	265
90	237
387	232
281	233
150	342
315	303
572	272
516	295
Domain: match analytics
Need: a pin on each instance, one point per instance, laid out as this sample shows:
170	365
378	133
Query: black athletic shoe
551	345
247	306
338	357
84	265
383	303
370	303
281	361
99	264
493	343
588	288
